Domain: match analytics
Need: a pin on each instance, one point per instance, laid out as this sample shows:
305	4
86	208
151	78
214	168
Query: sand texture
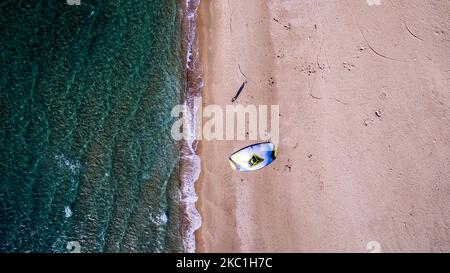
364	153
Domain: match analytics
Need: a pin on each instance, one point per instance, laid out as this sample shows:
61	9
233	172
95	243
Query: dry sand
364	150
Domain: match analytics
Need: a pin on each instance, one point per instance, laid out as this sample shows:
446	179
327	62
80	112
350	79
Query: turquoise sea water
86	153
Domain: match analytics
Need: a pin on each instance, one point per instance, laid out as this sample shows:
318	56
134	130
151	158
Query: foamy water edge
190	161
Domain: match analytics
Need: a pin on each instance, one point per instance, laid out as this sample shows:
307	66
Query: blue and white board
253	157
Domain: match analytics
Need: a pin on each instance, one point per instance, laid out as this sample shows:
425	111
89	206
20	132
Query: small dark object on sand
239	91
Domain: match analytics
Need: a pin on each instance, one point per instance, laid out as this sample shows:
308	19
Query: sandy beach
364	152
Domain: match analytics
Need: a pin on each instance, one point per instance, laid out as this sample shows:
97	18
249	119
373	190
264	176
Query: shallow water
86	153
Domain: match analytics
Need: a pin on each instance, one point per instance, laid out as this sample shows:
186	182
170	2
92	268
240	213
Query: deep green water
85	98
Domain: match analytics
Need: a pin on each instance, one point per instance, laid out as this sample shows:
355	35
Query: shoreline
363	150
190	160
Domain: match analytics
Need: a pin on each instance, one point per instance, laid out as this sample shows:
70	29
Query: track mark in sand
341	102
410	32
369	45
288	166
280	54
314	97
405	23
240	70
271	81
311	68
376	52
348	66
368	121
348	103
231	14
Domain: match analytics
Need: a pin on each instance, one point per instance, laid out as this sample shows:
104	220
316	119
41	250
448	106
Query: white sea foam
67	212
159	219
64	162
190	169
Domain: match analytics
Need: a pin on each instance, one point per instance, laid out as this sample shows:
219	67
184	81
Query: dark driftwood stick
239	92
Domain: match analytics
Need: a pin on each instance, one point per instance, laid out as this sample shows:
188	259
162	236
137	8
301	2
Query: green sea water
86	154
